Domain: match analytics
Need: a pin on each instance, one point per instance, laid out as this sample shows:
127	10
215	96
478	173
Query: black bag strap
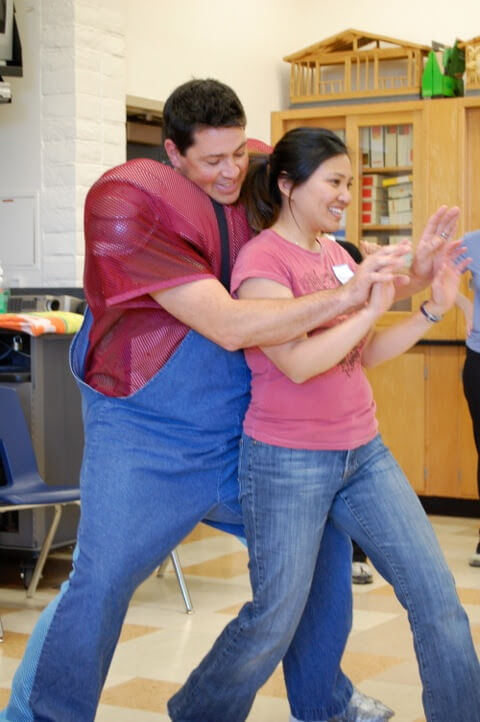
224	243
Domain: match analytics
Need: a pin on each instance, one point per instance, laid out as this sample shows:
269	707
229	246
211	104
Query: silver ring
444	235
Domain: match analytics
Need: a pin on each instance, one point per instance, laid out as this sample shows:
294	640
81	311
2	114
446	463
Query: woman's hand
381	298
435	244
444	288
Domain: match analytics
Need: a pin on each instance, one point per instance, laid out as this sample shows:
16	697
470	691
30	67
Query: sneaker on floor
361	573
360	709
474	560
363	708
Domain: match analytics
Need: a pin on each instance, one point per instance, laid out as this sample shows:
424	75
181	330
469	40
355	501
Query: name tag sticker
343	272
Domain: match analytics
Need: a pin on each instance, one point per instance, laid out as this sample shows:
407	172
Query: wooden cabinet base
424	419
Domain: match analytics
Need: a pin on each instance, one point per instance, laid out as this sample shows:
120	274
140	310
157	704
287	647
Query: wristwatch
432	317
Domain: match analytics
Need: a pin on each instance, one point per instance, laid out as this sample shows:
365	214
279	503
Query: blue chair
25	488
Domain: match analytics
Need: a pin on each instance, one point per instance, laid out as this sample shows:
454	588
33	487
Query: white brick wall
82	120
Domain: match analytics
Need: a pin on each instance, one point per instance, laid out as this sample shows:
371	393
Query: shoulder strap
224	243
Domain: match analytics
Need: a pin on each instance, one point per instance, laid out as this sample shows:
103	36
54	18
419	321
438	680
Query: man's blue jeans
286	498
155	464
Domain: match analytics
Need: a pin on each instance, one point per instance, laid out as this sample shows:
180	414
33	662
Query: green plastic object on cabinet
446	84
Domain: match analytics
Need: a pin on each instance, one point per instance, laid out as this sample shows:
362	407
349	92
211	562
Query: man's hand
435	245
386	264
369	247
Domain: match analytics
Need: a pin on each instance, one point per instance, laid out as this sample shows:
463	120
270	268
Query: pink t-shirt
334	410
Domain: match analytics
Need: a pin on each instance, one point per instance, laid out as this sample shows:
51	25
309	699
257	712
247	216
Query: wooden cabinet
424	419
399	391
420	402
445	169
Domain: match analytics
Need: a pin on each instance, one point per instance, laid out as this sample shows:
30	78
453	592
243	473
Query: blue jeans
286	498
155	464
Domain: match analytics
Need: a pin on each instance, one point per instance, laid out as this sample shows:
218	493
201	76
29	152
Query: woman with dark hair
310	449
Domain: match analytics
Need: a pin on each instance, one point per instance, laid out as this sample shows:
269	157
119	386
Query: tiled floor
160	643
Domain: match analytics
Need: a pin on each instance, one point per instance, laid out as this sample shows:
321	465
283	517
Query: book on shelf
396	180
365	145
371	179
399	205
377	151
374	193
402	190
379	206
390	134
375	217
401	218
405	145
373	211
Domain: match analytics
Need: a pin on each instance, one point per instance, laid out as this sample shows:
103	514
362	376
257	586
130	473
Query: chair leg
1	630
163	567
181	581
47	543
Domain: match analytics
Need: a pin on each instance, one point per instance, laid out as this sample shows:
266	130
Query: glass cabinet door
386	183
383	151
386	186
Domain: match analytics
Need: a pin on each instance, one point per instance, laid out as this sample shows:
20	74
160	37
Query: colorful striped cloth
39	322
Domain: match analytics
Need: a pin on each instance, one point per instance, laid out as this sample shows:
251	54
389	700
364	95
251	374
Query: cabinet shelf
399	170
385	227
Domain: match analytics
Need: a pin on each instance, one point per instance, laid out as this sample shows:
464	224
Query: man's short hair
200	103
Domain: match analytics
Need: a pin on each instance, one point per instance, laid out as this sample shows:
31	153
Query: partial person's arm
234	324
466	306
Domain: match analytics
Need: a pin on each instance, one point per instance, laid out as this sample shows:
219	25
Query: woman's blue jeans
155	464
286	498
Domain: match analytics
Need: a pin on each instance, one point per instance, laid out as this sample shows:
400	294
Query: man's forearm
207	308
268	322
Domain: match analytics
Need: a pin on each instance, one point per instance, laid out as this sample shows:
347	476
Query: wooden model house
356	64
472	63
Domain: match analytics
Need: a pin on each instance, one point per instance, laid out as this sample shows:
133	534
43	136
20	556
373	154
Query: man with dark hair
196	103
165	387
